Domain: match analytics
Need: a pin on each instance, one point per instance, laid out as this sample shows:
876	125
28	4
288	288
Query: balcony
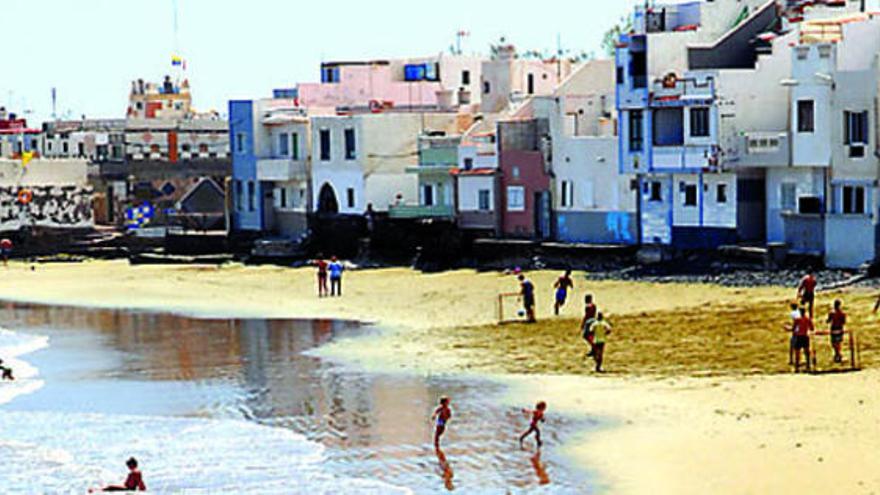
419	211
683	91
761	149
280	169
690	157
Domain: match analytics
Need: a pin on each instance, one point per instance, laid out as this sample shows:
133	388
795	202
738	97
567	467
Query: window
428	195
483	200
636	131
805	116
515	172
690	195
853	200
531	84
788	196
65	147
487	87
325	145
350	144
721	193
350	197
294	141
655	191
468	163
638	69
699	122
239	142
239	196
516	198
252	196
855	133
284	144
587	194
282	193
566	194
669	127
465	78
619	75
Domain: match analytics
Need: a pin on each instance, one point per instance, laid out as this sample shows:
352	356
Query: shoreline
740	434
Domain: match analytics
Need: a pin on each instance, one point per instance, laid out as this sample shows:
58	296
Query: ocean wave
13	346
53	452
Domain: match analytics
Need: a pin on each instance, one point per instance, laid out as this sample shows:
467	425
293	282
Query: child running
562	286
837	322
601	329
441	415
590	312
807	291
537	417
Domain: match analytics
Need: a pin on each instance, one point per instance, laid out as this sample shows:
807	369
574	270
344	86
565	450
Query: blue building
270	173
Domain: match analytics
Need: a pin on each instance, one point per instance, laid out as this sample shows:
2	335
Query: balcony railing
684	157
420	211
761	149
280	169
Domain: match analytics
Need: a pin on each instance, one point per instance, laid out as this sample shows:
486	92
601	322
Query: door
542	215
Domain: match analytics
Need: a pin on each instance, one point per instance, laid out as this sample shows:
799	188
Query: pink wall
533	178
361	84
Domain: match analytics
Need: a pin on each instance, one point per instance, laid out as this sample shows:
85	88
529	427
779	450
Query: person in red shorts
807	291
837	322
133	483
5	250
321	264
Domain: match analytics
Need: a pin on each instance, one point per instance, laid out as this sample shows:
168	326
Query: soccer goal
822	358
509	308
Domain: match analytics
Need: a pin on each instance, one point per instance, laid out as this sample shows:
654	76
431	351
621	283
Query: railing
762	149
684	157
419	211
280	169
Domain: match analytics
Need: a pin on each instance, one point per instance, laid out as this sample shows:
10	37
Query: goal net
509	308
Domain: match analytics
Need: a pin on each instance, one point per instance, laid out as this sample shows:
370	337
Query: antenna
54	103
459	37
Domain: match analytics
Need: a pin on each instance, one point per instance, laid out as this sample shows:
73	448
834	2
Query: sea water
70	452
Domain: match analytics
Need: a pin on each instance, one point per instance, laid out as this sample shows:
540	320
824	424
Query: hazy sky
91	50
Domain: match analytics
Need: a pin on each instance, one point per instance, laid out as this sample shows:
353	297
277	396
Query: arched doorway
327	202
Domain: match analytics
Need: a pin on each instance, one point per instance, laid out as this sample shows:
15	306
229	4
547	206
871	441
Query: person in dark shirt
133	483
5	373
527	291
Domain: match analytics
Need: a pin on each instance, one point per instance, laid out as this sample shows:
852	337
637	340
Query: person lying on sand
537	417
133	483
601	329
5	373
441	415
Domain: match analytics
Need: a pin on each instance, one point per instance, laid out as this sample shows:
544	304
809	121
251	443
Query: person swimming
133	483
5	372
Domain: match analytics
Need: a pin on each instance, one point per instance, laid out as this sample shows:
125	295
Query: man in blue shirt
336	268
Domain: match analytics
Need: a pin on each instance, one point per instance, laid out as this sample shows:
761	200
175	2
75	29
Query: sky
91	50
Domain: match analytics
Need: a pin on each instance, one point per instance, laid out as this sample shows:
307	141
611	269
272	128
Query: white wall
468	192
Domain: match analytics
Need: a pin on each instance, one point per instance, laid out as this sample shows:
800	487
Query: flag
176	61
26	158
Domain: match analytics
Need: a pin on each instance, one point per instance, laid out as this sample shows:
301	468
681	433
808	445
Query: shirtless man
441	416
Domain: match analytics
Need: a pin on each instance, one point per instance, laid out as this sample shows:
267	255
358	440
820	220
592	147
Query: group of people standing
331	270
594	328
803	329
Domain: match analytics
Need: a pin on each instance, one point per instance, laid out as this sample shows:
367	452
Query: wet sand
734	432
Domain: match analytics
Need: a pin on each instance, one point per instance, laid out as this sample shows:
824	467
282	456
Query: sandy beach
743	429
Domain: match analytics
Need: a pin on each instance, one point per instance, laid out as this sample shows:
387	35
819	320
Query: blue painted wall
597	227
244	168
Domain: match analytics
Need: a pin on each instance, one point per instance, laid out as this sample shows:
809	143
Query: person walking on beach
807	291
527	291
601	329
133	483
537	417
801	330
321	264
562	286
836	323
5	373
336	268
441	418
590	312
5	250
